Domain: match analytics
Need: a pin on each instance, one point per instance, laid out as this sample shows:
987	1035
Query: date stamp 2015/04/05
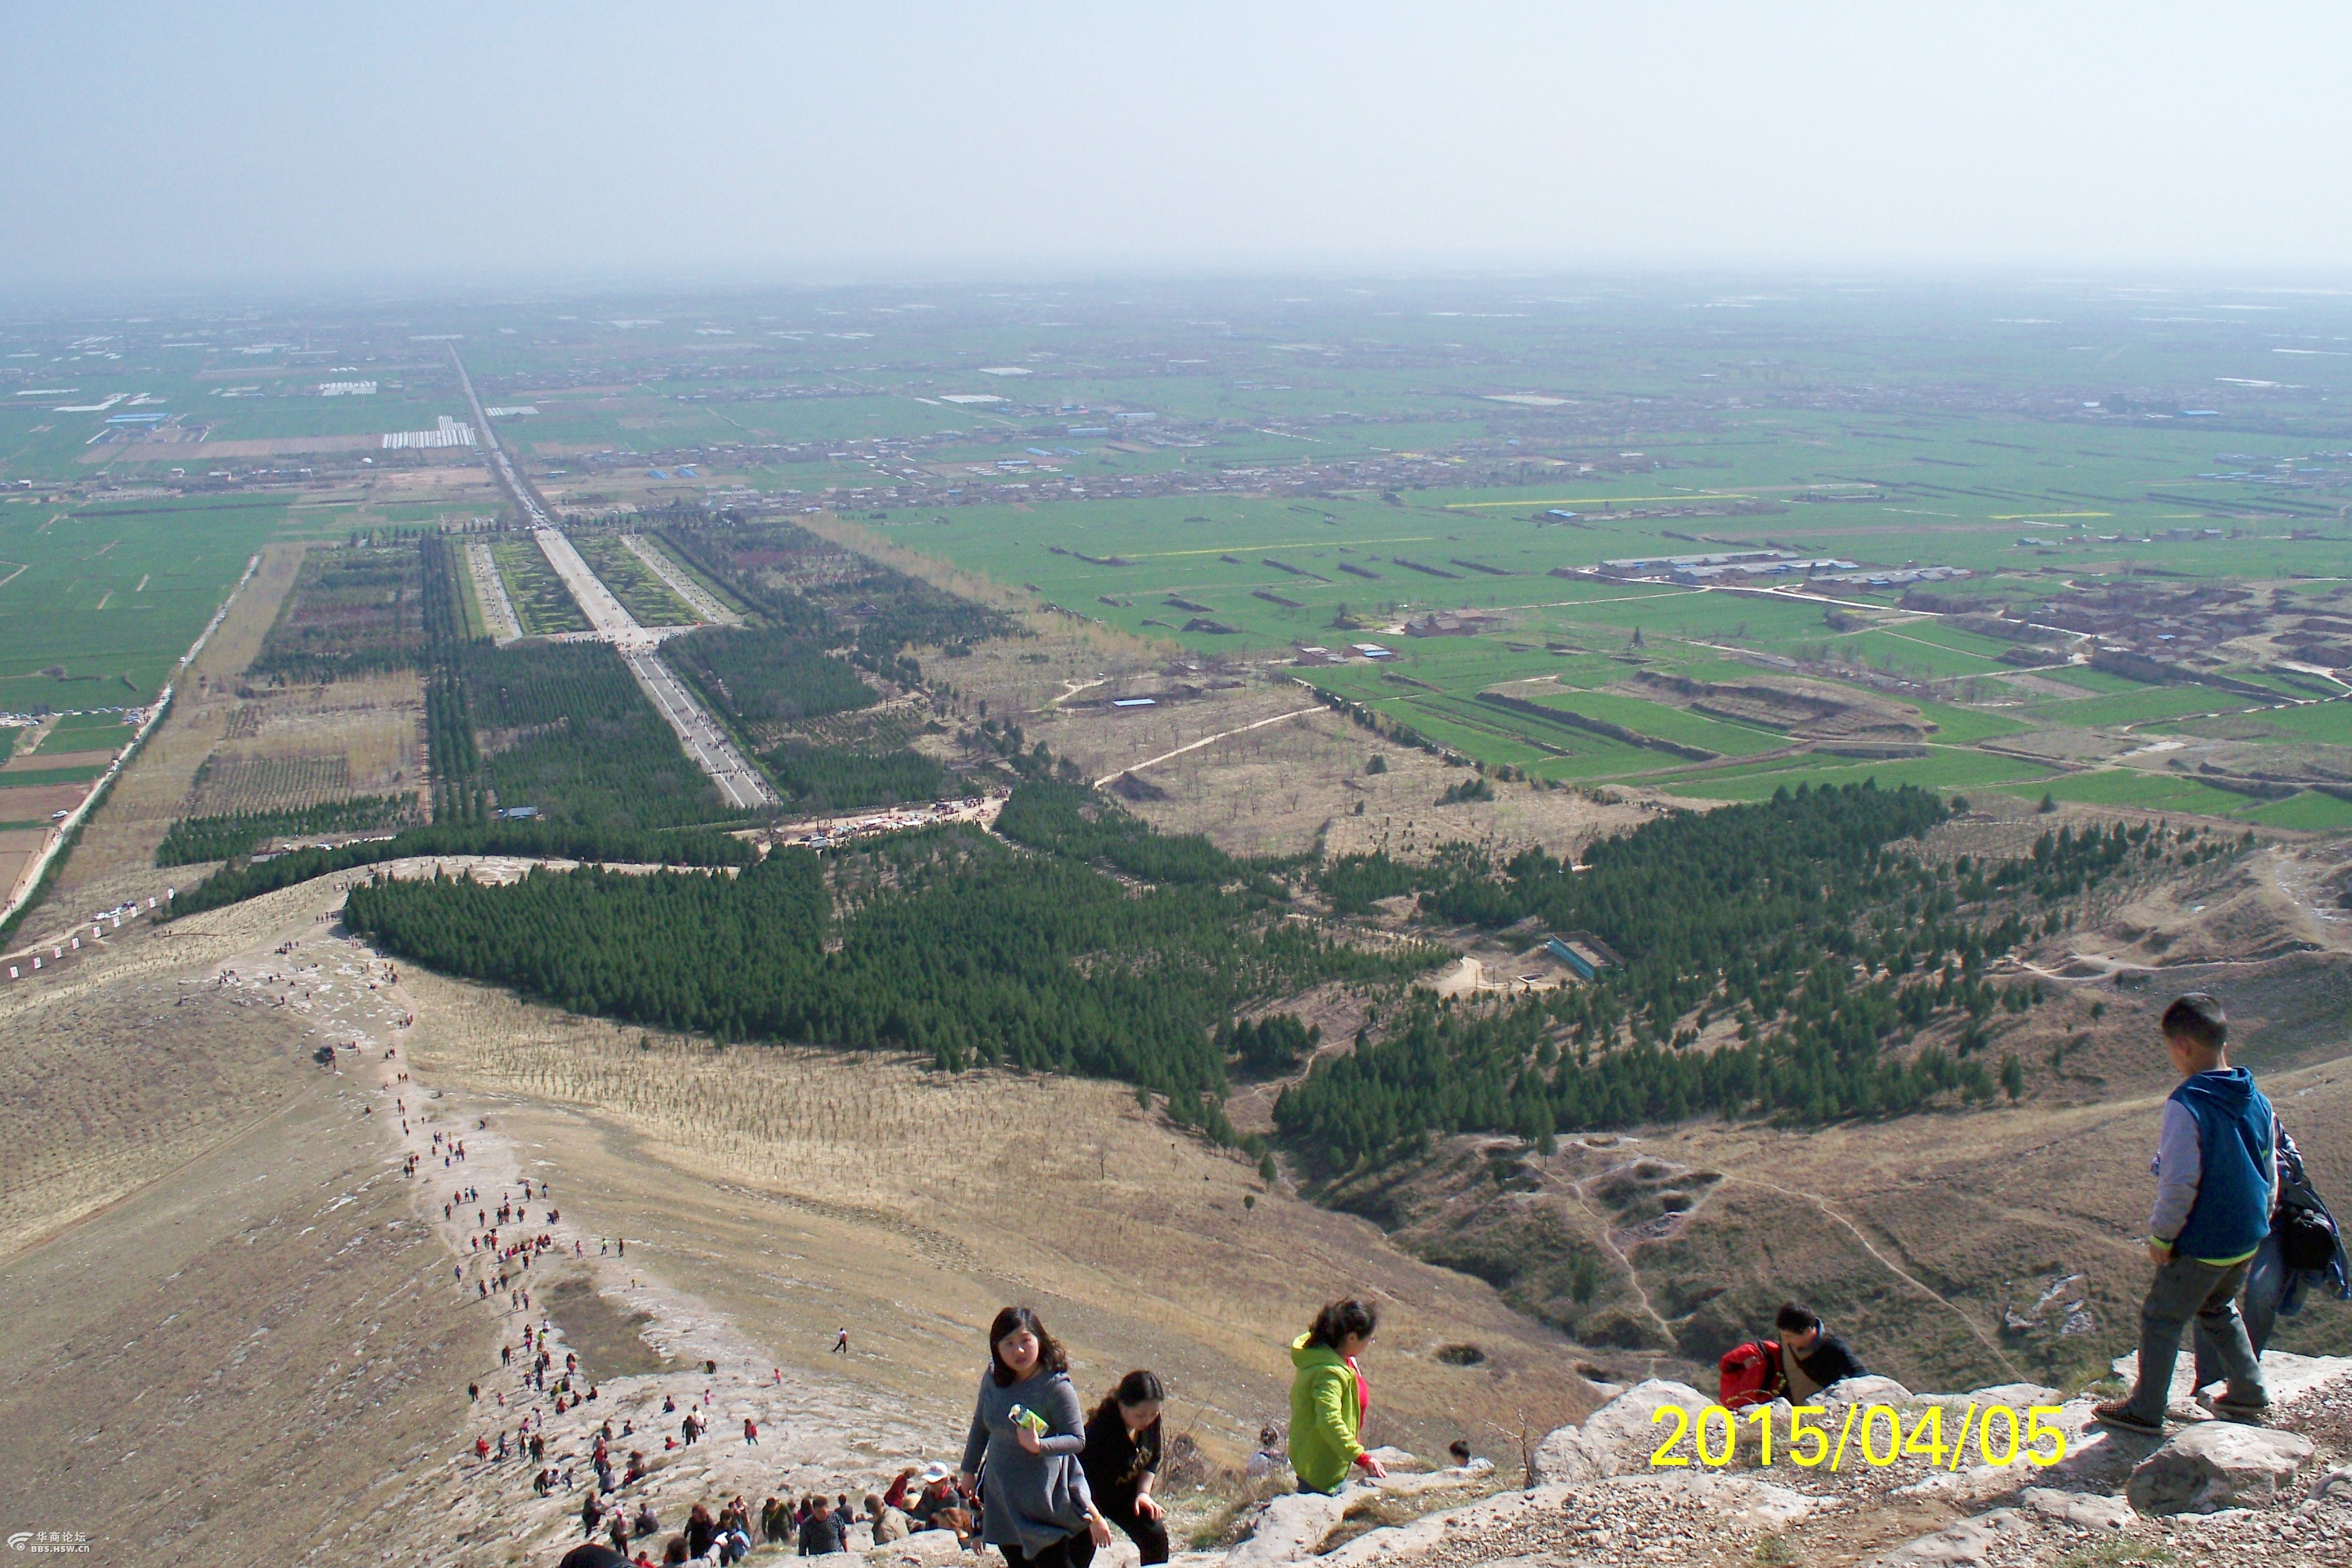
1875	1433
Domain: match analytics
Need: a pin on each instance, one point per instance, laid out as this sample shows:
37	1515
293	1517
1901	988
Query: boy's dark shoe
2250	1415
2117	1414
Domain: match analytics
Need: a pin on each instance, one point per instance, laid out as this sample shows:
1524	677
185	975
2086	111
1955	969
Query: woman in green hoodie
1328	1398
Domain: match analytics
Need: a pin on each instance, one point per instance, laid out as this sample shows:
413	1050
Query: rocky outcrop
1618	1438
2004	1531
2212	1491
1295	1526
2216	1465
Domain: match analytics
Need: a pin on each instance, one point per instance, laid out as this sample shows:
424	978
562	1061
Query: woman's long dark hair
1138	1388
1051	1357
1340	1319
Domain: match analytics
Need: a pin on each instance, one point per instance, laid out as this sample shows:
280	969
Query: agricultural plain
1320	650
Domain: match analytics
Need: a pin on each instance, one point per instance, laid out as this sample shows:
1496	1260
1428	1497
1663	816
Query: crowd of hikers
1046	1481
1041	1479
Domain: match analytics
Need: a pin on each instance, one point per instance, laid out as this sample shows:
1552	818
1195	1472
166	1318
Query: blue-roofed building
1584	952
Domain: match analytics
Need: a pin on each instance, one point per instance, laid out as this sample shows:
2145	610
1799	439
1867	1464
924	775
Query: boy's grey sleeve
2179	1164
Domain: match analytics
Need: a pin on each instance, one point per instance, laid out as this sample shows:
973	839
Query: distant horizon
268	145
1759	283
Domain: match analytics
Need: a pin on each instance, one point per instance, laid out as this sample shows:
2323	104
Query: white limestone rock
1741	1500
2087	1509
1288	1528
1294	1526
1501	1509
1870	1389
1562	1459
2216	1465
2019	1395
1619	1438
921	1549
1962	1545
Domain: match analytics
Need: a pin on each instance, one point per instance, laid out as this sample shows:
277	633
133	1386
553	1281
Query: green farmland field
1666	723
2147	791
2309	812
100	603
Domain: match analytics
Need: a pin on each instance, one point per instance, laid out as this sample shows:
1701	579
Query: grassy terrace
633	583
542	602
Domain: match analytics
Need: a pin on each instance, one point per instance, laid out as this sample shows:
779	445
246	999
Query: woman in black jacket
1122	1459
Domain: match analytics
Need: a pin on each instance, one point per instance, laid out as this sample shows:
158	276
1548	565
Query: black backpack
2307	1236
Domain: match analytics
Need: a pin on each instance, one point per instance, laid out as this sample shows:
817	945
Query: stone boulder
2216	1465
1868	1389
1562	1459
1288	1528
1620	1437
1295	1525
2087	1511
2018	1395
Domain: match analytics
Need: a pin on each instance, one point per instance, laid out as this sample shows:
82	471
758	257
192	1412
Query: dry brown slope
211	1324
238	1363
1957	1247
805	1191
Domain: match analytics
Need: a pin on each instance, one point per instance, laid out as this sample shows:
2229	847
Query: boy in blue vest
2216	1173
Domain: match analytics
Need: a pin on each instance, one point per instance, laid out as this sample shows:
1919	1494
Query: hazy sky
199	144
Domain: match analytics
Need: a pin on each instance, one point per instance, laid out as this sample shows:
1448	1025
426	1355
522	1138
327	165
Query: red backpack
1745	1373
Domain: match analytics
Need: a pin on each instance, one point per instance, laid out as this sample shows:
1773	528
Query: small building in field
1583	953
1441	624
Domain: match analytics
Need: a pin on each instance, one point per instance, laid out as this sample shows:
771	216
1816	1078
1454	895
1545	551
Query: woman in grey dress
1036	1506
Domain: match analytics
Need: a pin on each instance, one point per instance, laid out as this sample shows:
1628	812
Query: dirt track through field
1210	740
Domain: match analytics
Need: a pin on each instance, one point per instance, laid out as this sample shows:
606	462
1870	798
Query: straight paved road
702	736
743	785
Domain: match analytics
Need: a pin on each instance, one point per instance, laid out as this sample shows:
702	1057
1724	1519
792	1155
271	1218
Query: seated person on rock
1811	1358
